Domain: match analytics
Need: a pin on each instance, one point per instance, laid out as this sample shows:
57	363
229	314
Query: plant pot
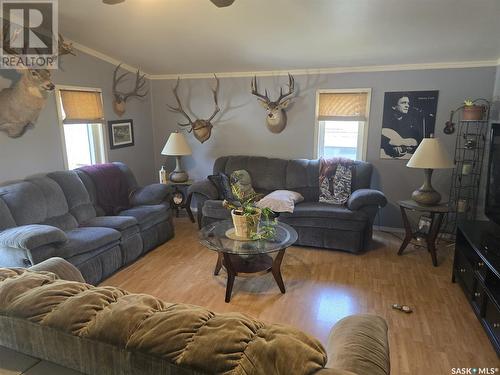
245	225
473	112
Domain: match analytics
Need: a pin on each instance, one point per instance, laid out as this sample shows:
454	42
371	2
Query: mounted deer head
276	115
119	97
21	104
202	129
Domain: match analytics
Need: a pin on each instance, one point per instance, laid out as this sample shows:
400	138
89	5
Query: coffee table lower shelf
260	263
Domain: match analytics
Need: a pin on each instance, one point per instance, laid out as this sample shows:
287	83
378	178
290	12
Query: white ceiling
193	36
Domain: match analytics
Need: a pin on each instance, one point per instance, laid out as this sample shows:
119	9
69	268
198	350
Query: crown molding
107	58
267	73
339	70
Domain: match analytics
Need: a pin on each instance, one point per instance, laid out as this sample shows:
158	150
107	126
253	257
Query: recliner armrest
151	195
62	268
366	197
205	188
29	237
359	343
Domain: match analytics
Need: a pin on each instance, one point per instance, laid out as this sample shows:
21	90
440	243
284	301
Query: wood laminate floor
324	286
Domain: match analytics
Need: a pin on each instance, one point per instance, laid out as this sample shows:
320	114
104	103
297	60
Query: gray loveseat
57	215
318	224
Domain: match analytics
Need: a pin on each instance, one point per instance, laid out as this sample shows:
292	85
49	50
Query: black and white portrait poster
409	116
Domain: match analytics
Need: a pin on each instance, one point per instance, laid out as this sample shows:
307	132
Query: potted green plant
472	111
247	217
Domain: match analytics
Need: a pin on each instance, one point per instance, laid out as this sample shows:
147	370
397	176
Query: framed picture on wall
409	116
121	133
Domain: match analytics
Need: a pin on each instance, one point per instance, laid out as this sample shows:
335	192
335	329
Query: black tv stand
477	269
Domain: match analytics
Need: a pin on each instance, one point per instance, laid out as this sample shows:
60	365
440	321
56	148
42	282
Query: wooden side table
181	199
437	214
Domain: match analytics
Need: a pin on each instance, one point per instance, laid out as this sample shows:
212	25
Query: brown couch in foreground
105	330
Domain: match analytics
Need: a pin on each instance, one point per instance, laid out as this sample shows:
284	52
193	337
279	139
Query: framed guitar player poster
409	116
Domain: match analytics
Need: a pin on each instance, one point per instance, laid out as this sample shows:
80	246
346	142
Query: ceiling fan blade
112	2
222	3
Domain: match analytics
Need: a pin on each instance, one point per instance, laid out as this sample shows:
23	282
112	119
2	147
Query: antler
140	81
179	108
215	91
255	91
291	87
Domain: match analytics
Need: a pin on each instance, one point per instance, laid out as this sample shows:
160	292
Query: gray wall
240	127
40	149
495	108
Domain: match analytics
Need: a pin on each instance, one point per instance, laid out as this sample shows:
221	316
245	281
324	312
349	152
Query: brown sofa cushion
187	336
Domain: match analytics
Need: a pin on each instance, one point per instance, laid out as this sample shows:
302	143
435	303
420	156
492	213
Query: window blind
81	106
343	106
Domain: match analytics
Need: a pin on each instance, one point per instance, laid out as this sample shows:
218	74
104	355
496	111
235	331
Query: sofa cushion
80	240
76	194
362	175
53	194
31	236
214	209
119	223
267	174
90	187
147	216
6	219
64	222
25	201
325	210
126	225
302	176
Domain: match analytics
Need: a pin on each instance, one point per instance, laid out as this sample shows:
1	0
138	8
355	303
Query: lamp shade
430	154
176	145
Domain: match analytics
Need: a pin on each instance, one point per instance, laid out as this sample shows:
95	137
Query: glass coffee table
247	256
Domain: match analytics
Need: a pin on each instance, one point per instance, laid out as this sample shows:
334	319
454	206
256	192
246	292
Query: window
342	123
81	116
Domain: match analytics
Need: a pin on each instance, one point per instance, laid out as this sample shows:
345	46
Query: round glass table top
214	237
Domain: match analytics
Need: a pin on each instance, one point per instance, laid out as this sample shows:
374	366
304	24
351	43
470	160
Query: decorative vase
473	112
246	225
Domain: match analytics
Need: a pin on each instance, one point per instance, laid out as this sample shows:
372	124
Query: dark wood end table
247	256
437	214
181	199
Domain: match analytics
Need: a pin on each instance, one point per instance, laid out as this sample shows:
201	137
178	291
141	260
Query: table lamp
429	155
177	146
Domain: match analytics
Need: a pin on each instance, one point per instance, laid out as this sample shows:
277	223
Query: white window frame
103	134
363	130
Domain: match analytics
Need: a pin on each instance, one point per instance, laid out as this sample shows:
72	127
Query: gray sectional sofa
347	227
57	215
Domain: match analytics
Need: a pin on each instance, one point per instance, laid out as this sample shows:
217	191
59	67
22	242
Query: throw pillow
221	182
327	173
342	184
241	184
338	189
280	200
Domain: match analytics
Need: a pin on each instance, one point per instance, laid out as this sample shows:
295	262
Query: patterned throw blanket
111	187
335	179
